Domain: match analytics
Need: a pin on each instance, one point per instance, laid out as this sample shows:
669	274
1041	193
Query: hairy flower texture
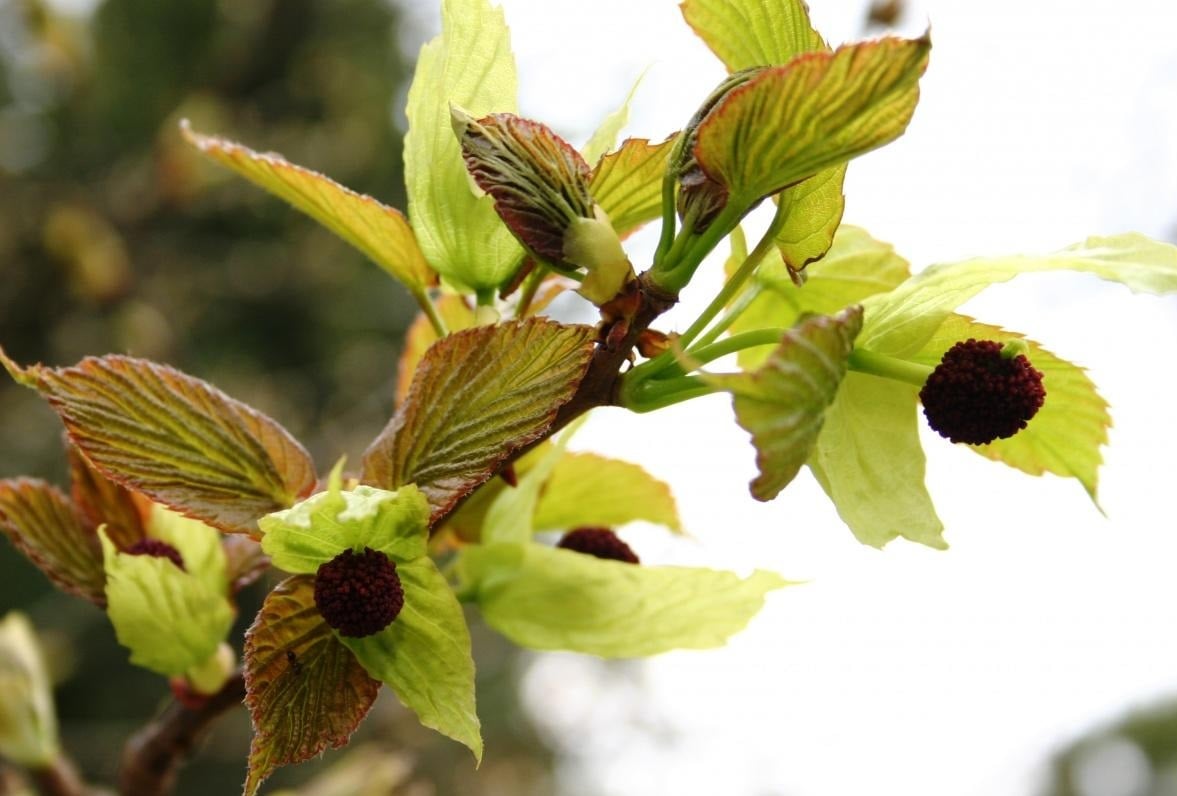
157	549
977	394
359	594
599	542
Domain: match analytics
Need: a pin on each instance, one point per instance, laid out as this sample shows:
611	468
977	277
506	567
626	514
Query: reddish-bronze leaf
41	522
305	691
178	440
477	397
101	501
457	315
244	561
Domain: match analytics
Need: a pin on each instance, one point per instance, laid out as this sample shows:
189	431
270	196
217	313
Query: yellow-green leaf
178	440
469	65
41	523
812	211
552	599
899	323
1065	437
868	459
819	110
588	489
627	184
605	136
305	690
744	33
28	723
477	397
379	231
783	403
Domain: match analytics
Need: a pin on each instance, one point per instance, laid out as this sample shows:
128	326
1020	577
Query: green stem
647	396
530	287
427	306
731	316
889	367
668	217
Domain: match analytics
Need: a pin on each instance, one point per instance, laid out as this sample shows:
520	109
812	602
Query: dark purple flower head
978	394
157	549
599	542
359	594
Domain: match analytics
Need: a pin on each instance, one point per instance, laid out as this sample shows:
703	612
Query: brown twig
152	755
59	779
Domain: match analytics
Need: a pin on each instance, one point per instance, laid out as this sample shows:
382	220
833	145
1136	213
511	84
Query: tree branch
152	755
59	779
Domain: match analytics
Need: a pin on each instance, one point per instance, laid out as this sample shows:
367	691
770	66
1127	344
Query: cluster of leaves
833	336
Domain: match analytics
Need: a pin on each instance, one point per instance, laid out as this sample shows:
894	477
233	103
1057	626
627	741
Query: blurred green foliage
115	236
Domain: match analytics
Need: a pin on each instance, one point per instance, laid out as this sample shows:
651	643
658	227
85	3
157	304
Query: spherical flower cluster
978	394
157	549
359	594
599	542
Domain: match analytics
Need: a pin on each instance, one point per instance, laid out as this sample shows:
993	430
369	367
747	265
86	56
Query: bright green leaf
783	403
41	523
587	489
311	533
178	440
627	184
745	33
199	546
478	396
509	517
1065	436
424	655
812	212
169	619
605	136
901	322
305	690
819	110
469	65
869	461
552	599
377	230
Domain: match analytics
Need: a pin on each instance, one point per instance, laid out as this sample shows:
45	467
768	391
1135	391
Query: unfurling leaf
783	403
538	181
552	599
424	655
41	523
787	123
100	501
627	184
868	459
177	439
1066	434
379	231
899	323
477	397
469	65
305	690
587	489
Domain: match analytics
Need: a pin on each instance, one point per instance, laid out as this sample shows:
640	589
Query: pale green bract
552	599
899	323
469	65
28	724
170	619
424	654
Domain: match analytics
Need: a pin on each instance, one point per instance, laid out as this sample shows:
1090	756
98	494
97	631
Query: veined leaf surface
627	184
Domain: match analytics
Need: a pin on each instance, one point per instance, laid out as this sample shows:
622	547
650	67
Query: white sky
907	671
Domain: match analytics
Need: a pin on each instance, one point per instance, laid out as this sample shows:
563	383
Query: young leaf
468	521
899	323
178	440
305	690
477	397
813	212
379	231
509	517
244	561
457	315
538	181
424	655
587	489
869	461
1065	437
198	544
169	619
815	112
469	65
41	523
627	184
783	403
744	33
551	599
100	501
605	137
855	267
28	723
